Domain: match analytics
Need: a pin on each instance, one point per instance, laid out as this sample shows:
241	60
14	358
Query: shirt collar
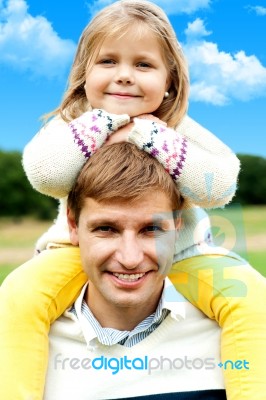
170	299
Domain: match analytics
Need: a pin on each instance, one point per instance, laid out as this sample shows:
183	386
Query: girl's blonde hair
115	20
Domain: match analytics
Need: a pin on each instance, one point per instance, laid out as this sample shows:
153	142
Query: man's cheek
164	247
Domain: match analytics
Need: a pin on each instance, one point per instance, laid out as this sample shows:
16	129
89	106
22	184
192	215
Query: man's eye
153	229
104	228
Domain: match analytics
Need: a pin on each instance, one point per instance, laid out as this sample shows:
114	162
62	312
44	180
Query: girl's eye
107	61
143	65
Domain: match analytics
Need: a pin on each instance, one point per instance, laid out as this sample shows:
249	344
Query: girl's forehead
137	30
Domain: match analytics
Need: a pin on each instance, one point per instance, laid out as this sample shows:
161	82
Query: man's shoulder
67	325
177	303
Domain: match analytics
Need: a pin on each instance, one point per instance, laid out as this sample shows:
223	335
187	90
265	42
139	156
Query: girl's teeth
129	277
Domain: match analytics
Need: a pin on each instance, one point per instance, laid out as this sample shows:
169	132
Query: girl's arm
229	290
204	168
54	157
32	297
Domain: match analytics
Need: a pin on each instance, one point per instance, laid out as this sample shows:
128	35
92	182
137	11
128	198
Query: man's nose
130	252
124	75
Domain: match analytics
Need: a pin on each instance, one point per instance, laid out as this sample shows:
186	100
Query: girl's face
129	75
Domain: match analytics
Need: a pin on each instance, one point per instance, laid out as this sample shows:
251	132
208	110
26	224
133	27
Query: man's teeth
128	277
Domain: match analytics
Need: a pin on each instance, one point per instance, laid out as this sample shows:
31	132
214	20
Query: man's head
121	173
122	214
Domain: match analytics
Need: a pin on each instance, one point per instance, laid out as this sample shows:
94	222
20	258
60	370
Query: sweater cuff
92	128
202	175
166	145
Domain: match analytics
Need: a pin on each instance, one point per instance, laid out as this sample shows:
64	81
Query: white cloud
196	29
218	77
259	10
171	7
30	43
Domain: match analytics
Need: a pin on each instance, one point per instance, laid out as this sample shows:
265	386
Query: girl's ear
73	228
168	84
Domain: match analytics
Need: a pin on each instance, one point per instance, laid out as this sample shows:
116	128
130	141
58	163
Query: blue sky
223	40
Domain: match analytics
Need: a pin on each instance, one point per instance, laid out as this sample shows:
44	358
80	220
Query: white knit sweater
202	166
183	354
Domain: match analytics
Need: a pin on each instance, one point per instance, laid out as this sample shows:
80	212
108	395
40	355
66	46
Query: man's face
126	249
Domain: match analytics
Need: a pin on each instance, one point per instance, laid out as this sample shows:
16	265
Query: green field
242	230
17	238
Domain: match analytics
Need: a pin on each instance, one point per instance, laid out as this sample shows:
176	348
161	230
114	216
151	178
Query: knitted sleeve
205	168
55	156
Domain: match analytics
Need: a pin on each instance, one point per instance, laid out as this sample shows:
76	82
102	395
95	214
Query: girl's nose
125	75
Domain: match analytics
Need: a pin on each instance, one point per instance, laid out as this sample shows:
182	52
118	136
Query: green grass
258	261
247	221
242	230
5	270
255	220
21	233
17	239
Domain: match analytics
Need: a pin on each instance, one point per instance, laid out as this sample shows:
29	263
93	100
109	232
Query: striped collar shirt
169	303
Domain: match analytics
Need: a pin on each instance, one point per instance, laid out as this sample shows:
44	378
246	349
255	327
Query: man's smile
128	277
129	281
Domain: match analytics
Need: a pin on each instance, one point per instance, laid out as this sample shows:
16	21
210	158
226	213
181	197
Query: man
130	334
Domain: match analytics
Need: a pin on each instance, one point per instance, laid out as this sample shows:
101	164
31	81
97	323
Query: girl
128	66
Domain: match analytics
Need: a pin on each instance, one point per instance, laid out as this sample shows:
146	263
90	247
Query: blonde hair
113	20
121	172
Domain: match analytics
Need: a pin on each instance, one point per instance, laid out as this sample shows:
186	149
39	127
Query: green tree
252	180
17	197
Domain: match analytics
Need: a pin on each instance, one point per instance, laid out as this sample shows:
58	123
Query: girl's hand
152	118
120	135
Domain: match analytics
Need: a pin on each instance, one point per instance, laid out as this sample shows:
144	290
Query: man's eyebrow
160	220
102	221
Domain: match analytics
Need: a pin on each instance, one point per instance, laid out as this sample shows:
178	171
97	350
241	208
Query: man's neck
120	318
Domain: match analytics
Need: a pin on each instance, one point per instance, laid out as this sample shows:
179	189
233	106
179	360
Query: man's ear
178	222
73	228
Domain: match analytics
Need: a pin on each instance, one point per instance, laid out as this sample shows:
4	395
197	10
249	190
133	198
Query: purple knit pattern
87	129
179	158
174	159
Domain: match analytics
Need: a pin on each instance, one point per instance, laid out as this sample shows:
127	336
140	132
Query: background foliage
17	197
252	180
